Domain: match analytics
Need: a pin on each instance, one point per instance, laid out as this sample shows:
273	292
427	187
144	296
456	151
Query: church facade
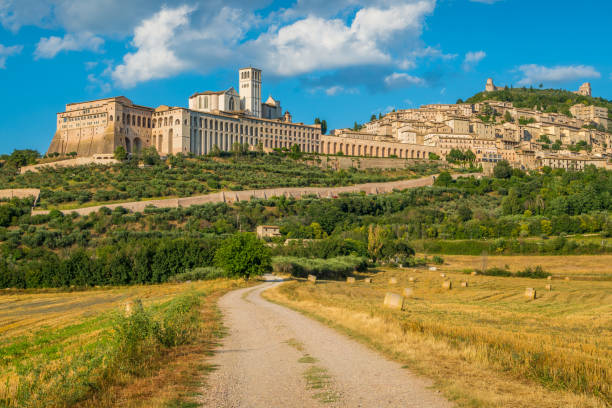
213	119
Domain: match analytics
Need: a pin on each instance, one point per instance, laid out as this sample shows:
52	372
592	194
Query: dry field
54	334
485	345
578	266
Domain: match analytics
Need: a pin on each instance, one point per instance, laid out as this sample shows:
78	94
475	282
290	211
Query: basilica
214	119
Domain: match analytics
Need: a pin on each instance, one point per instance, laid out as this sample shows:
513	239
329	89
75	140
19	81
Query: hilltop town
486	131
492	130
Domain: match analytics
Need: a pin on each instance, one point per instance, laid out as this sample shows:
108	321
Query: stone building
214	118
591	114
490	86
585	89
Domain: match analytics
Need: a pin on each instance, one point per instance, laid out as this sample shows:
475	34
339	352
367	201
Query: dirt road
276	357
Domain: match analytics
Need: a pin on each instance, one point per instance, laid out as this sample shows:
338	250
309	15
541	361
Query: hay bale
549	277
433	268
392	281
367	280
549	287
567	278
464	284
447	285
408	292
530	293
131	306
443	275
350	279
474	273
312	278
393	301
412	279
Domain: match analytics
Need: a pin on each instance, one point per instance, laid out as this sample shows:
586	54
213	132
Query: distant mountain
546	100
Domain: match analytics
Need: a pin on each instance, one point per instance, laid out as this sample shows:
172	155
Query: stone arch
110	118
154	122
170	134
128	145
377	151
138	121
166	121
352	150
137	145
177	122
231	104
128	118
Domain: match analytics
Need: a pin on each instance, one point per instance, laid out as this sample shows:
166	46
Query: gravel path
276	357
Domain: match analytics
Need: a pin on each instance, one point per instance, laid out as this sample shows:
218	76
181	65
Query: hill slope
546	100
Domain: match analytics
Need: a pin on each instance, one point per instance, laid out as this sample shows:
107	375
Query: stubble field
484	345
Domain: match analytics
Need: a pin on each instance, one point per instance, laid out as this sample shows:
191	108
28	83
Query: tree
455	156
469	156
508	117
444	179
323	124
243	255
150	156
433	156
120	153
486	109
295	152
372	118
464	212
459	101
502	169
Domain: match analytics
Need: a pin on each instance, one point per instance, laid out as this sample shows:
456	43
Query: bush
438	260
535	273
180	322
205	273
332	268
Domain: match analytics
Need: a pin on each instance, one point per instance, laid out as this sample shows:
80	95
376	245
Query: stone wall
79	161
362	163
19	193
246	195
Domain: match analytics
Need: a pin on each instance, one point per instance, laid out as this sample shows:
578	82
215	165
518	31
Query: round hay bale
474	273
392	281
447	285
530	293
549	277
567	278
312	278
464	284
350	279
412	279
367	280
433	268
443	275
549	287
408	292
393	301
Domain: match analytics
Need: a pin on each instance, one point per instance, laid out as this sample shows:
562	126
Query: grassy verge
484	345
152	357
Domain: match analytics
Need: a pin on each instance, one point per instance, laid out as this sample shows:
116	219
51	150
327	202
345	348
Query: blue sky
342	60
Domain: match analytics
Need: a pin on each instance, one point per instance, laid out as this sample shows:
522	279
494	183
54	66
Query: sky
340	60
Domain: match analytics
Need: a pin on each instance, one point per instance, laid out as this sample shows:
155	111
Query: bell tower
250	90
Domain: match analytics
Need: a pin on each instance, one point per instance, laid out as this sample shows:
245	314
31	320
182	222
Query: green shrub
205	273
180	321
332	268
535	273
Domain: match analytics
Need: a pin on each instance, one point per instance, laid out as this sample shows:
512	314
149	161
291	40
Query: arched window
154	122
110	118
177	122
128	119
149	123
231	104
165	121
133	120
170	121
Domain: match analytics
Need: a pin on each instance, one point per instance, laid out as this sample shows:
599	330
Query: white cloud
472	58
155	57
533	73
51	46
338	89
6	52
318	43
402	79
485	1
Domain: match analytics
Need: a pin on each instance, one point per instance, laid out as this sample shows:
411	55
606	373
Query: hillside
546	100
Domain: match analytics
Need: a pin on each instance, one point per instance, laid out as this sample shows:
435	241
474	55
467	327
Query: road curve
257	364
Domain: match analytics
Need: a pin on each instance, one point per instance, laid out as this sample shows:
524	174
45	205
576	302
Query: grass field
56	348
485	345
